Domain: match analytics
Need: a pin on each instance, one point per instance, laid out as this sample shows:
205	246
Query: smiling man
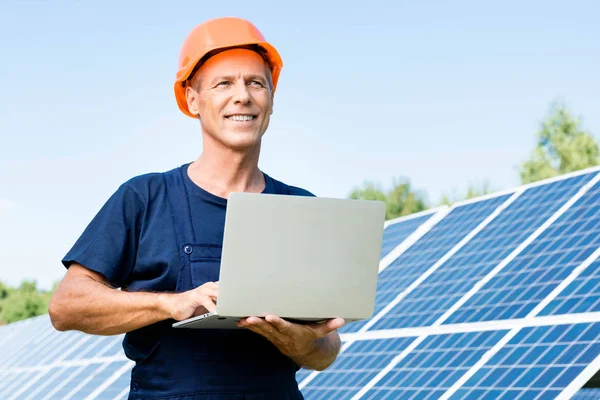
159	238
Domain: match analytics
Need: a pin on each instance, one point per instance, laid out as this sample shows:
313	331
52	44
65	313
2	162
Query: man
159	239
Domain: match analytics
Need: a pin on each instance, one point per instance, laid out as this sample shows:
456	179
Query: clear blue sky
444	93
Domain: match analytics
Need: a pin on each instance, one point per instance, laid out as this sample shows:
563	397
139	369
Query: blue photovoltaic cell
34	343
395	233
93	347
74	380
427	250
581	295
538	361
587	394
10	381
21	380
432	298
16	341
118	386
49	382
434	366
102	375
7	378
354	368
302	374
540	267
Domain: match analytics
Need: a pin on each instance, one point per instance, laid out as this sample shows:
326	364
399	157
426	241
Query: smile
241	118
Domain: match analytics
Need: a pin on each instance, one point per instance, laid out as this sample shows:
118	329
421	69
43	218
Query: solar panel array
492	298
499	299
38	362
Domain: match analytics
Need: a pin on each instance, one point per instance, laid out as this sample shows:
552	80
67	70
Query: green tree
473	190
369	191
562	146
23	302
400	200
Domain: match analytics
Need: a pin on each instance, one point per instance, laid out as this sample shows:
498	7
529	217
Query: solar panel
399	229
409	268
355	368
587	394
455	277
581	295
499	267
37	362
537	362
544	264
433	366
496	297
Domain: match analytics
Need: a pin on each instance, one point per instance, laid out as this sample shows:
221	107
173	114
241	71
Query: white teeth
241	117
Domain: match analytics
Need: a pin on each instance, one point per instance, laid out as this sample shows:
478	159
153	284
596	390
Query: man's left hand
293	340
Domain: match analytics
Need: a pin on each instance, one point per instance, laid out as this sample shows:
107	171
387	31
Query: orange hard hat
217	34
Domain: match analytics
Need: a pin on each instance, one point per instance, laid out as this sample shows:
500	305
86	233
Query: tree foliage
23	302
473	190
562	146
400	200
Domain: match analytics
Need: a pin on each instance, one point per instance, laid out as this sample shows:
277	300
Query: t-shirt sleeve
296	191
109	243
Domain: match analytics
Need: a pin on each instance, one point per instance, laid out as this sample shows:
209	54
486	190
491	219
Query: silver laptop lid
300	257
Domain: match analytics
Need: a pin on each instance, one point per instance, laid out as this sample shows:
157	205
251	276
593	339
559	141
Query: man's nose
241	93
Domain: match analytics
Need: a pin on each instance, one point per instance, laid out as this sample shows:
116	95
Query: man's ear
191	96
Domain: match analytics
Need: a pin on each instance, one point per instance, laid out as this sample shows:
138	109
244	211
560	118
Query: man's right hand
85	301
193	302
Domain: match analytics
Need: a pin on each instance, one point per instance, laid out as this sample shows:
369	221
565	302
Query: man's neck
222	172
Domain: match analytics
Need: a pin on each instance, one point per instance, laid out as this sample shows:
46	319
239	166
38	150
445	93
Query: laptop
304	259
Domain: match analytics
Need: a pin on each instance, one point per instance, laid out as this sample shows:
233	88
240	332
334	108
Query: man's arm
85	301
313	346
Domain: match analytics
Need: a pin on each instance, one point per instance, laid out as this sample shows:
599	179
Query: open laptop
301	258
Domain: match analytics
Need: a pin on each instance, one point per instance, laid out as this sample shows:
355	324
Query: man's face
231	94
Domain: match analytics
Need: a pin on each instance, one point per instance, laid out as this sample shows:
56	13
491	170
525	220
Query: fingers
209	304
281	325
210	289
262	327
335	323
210	285
323	329
205	296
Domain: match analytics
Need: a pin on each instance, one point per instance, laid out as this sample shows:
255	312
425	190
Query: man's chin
242	145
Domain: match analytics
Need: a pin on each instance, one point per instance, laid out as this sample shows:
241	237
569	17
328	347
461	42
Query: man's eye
256	83
224	83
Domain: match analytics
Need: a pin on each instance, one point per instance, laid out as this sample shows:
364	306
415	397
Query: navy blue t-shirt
131	241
